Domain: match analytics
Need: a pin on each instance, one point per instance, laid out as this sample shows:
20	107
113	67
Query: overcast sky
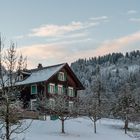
57	31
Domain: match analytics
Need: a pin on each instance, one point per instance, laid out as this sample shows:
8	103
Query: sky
58	31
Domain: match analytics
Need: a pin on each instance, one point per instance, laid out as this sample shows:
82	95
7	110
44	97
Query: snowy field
76	129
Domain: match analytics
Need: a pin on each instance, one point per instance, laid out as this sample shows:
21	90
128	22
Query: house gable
70	78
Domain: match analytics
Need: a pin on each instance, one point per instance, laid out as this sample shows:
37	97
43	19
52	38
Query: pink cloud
66	52
118	44
51	30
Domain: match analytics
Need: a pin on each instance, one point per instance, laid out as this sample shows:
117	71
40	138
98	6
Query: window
33	89
70	91
70	105
51	88
52	103
33	104
20	77
60	89
61	76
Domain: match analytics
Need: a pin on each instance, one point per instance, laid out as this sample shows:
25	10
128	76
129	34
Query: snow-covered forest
112	86
116	69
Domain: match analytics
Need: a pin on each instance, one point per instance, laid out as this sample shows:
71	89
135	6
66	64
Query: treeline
112	58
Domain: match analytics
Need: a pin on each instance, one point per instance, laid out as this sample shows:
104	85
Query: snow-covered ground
76	129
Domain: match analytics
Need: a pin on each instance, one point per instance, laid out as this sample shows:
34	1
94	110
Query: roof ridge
37	69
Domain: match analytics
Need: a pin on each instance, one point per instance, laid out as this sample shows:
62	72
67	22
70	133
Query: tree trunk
63	131
95	127
126	126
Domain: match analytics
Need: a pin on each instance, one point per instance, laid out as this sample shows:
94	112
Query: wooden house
48	81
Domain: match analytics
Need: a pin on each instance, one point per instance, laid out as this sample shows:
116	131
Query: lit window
51	88
61	76
33	104
70	91
60	89
33	89
52	103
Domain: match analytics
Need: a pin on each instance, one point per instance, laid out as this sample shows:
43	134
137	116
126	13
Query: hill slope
115	70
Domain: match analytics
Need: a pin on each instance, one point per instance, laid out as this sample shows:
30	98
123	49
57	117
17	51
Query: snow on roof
39	75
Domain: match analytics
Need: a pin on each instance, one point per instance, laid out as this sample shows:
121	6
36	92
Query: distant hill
115	69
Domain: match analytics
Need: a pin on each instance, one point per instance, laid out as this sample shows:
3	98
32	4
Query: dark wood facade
70	81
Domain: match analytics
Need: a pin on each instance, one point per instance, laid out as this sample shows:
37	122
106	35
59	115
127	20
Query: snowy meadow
76	129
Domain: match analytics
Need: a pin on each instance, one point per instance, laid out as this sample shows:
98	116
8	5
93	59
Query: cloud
132	12
99	18
73	30
69	51
68	37
135	19
52	30
119	44
52	53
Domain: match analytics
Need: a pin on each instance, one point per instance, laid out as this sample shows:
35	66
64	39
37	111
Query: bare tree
10	106
58	106
93	111
125	106
95	103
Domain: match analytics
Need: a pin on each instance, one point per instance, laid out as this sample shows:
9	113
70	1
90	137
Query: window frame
61	76
31	103
32	90
50	88
20	77
60	86
71	94
71	105
50	103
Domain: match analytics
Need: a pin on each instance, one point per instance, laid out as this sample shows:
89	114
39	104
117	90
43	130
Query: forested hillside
113	80
112	86
115	70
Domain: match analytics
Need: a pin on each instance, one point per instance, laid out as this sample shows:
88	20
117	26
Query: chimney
39	66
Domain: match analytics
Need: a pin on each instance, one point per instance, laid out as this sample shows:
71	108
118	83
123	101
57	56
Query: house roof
41	74
45	73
